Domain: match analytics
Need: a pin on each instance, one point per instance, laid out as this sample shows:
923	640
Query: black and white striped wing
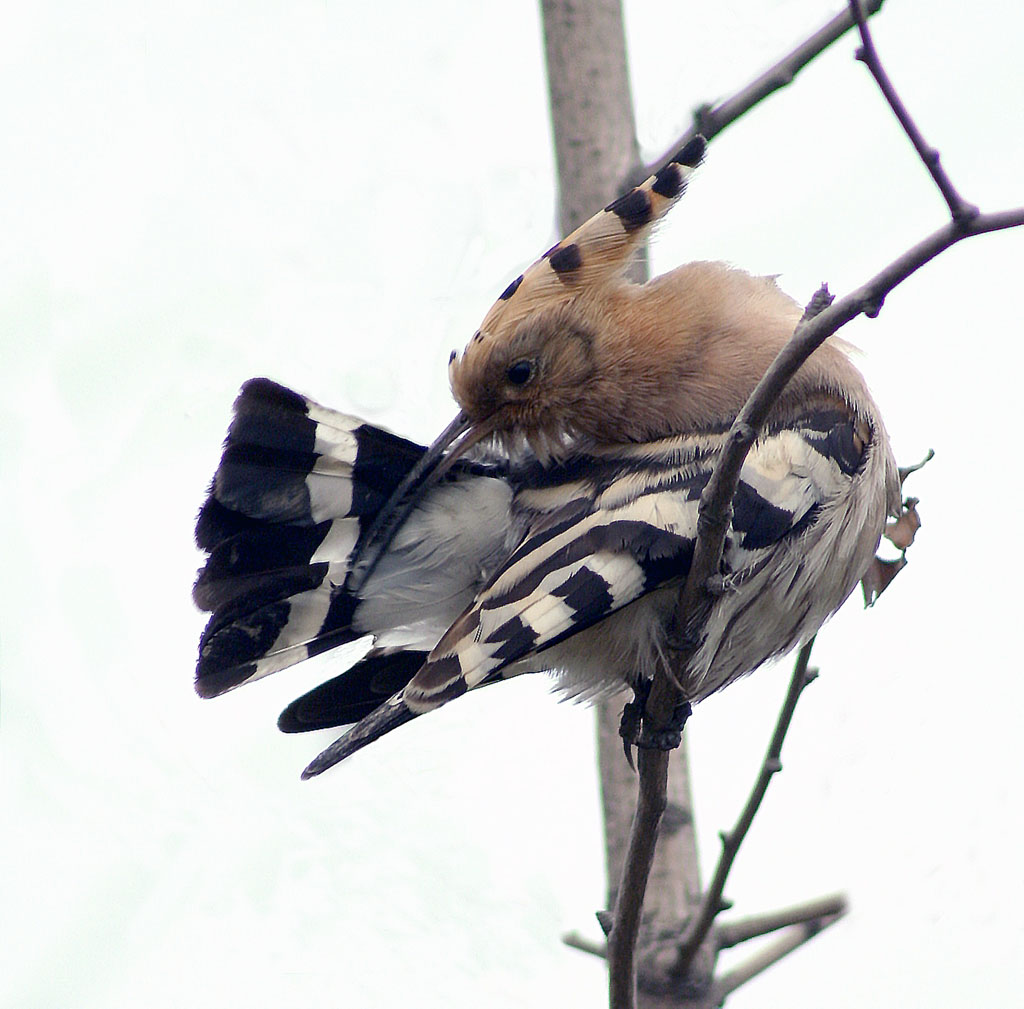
627	526
608	528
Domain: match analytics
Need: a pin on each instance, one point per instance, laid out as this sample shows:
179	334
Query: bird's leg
632	717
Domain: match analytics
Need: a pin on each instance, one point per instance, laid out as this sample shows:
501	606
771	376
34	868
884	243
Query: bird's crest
598	250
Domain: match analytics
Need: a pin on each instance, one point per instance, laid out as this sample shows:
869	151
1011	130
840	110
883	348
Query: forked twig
791	939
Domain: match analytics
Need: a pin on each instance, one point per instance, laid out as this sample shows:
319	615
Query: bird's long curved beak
449	445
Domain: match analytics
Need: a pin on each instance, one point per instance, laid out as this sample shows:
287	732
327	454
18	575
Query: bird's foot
635	730
669	736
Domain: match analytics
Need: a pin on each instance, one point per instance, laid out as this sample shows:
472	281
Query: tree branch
652	767
868	55
733	933
585	945
710	120
791	939
595	148
712	903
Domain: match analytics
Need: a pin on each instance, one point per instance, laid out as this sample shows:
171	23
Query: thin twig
652	766
868	55
710	120
770	766
790	940
585	945
735	932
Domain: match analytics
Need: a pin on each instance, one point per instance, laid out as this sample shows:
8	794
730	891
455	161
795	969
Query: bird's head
529	371
528	380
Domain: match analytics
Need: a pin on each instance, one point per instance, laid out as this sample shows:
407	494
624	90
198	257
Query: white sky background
333	195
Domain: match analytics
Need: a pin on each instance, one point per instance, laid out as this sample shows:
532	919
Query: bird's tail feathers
390	715
354	694
296	487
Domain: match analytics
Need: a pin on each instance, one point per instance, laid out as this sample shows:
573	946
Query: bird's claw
669	736
631	722
635	732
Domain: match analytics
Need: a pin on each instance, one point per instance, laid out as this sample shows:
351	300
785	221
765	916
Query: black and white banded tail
297	488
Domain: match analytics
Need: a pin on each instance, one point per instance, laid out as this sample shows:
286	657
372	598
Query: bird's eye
520	373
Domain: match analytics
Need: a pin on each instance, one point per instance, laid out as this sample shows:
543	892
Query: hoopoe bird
551	525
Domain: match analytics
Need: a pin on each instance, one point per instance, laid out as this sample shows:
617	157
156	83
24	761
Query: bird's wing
612	527
608	527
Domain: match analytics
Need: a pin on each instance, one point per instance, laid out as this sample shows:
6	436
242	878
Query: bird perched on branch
551	525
